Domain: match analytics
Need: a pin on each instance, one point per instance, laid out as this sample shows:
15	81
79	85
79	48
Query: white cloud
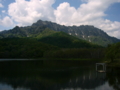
6	21
65	14
27	12
1	5
91	12
1	30
3	11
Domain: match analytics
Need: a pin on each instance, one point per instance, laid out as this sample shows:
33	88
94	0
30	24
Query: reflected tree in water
113	77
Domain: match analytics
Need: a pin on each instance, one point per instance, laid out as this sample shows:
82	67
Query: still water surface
56	75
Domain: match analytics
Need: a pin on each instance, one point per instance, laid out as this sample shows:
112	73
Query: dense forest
47	44
113	51
33	48
52	44
23	48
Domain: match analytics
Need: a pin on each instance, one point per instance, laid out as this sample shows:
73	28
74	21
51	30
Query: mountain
63	40
85	32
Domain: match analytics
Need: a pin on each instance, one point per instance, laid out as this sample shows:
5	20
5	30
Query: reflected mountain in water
40	76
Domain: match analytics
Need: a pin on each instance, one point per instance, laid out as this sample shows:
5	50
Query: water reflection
46	75
87	81
8	87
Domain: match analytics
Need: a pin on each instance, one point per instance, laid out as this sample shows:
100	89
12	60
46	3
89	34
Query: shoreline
115	63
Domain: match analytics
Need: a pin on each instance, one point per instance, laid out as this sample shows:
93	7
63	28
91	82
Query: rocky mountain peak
85	32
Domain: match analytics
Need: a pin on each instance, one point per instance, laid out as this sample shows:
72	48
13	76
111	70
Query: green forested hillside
63	40
44	43
23	48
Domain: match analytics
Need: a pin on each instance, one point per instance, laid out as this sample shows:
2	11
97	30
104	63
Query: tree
113	51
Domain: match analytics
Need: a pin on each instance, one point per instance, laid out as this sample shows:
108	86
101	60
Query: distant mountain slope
63	40
88	33
85	32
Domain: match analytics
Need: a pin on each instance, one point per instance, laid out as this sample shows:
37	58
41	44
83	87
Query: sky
103	14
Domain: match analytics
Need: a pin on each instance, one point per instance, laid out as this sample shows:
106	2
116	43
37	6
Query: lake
56	75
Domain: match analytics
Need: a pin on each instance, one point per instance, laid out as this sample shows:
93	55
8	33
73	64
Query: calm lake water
56	75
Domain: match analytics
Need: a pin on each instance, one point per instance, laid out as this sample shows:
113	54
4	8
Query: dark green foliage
46	32
113	51
23	48
83	53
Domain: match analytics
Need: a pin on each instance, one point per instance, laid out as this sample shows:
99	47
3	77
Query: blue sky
103	14
113	12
